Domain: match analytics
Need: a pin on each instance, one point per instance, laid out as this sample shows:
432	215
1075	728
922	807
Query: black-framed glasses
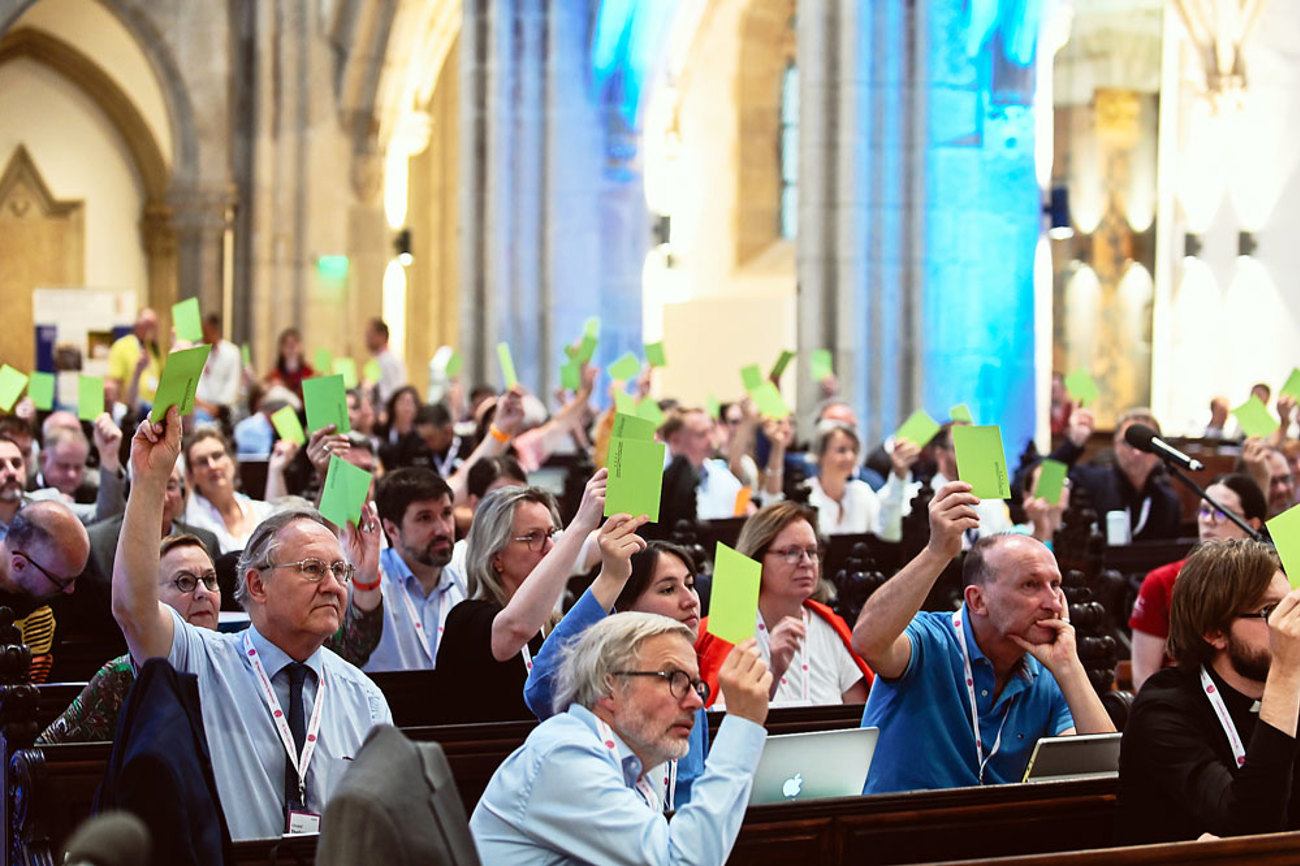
61	582
680	683
186	582
537	540
1263	613
1214	515
793	555
314	570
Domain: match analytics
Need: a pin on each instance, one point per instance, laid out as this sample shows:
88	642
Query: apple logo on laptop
792	786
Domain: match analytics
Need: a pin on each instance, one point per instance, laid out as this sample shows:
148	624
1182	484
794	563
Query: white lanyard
528	654
441	466
282	724
802	653
1221	710
443	609
1142	516
974	708
643	787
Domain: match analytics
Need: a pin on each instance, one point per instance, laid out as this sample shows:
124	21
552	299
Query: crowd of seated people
460	567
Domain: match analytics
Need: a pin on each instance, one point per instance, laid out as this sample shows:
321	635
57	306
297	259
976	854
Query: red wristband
366	587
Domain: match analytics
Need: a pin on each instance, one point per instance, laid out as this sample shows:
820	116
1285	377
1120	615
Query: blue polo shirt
924	716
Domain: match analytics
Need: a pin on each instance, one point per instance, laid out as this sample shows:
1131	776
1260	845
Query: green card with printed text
919	428
178	382
286	423
1051	481
90	397
650	411
326	402
654	355
733	604
12	383
1254	419
187	320
344	492
632	427
40	387
636	477
981	461
507	365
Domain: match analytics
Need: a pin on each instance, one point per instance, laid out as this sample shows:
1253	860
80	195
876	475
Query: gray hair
491	531
264	543
613	644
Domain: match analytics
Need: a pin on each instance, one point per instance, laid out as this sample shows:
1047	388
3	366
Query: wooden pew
1271	849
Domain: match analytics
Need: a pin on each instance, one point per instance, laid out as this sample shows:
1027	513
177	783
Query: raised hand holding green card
769	401
12	383
179	381
961	412
981	462
919	428
625	369
1081	387
751	376
654	355
326	402
1254	418
344	492
636	477
1051	481
507	365
1292	386
822	364
629	426
733	603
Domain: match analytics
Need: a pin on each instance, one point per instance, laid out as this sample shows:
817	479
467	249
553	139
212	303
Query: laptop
1083	756
813	765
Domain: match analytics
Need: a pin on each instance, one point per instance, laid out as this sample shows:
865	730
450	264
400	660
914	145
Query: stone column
200	217
159	241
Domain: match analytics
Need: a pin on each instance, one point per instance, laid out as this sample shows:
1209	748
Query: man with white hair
576	791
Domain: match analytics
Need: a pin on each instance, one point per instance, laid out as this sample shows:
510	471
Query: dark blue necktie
297	727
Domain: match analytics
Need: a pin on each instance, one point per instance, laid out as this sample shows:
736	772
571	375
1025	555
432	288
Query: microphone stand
1250	531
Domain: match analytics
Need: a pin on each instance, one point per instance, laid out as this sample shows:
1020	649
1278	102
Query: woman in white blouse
214	503
846	505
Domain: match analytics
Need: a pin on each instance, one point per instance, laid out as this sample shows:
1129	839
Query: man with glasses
961	698
689	435
40	558
282	713
1210	746
577	790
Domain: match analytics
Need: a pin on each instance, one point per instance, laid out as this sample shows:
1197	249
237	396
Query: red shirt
1151	610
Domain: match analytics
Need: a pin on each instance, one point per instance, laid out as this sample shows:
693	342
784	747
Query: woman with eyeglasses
658	577
517	566
215	504
1149	621
805	643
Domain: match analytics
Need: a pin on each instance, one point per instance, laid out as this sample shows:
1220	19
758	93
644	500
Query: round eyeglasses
680	683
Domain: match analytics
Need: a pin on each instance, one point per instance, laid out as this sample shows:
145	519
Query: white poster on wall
83	321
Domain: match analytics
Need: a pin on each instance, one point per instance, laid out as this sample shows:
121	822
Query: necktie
297	727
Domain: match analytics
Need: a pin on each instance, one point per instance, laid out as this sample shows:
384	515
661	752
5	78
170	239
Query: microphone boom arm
1250	531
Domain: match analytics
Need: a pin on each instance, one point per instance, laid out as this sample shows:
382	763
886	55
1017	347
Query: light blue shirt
926	739
563	797
400	648
248	756
539	690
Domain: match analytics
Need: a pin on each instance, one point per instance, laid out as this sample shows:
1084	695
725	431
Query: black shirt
1177	774
1110	490
474	686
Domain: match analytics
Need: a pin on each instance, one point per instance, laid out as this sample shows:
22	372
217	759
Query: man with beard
415	509
1210	746
13	480
1002	670
576	791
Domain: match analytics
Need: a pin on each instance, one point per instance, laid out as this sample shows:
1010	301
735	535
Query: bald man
40	558
134	363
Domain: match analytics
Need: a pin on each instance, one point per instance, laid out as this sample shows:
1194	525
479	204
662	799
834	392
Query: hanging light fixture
1219	29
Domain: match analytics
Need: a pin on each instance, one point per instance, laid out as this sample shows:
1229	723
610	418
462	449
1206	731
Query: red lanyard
281	723
1221	710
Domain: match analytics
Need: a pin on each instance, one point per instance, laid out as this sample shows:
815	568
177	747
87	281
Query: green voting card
1292	386
187	321
592	327
1254	419
11	386
286	423
636	477
454	363
1051	481
90	397
587	350
179	381
624	403
323	360
246	354
733	605
961	412
650	411
632	427
713	407
822	364
981	462
40	387
1081	387
344	493
751	376
571	376
781	363
370	371
1285	531
347	368
507	365
769	401
326	402
919	428
625	369
654	354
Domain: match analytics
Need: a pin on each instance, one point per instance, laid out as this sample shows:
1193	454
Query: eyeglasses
314	570
794	555
62	583
679	682
1263	613
1212	514
185	582
537	540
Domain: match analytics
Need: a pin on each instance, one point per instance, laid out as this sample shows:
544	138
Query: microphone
1143	438
110	839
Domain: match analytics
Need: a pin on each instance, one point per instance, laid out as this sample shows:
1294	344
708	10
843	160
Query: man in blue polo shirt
1008	652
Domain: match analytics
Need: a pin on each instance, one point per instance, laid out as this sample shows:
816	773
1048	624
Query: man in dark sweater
1210	746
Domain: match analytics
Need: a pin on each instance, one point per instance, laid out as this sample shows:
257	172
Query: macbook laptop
1083	756
813	765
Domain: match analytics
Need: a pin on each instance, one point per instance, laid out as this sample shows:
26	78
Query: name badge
302	822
